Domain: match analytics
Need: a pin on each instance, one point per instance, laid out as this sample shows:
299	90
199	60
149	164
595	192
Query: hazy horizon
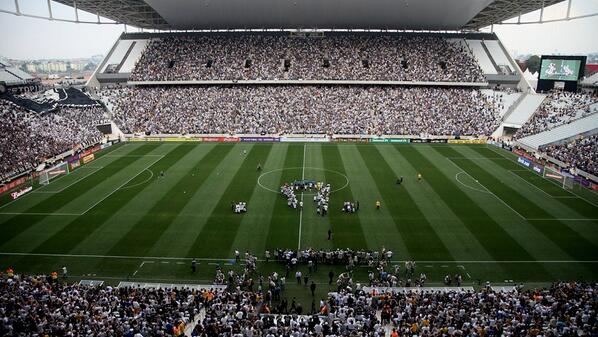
36	39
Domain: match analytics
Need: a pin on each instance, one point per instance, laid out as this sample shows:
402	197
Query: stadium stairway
587	125
509	100
498	55
482	56
591	80
193	323
523	109
490	57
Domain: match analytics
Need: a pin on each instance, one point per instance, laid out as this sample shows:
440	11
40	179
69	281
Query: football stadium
301	168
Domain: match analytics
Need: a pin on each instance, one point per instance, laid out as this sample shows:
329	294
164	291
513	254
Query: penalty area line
486	188
126	182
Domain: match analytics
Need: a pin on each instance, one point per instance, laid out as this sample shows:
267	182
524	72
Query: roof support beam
569	9
542	12
50	10
76	13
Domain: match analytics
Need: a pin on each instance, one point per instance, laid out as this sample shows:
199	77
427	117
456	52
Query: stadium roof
321	14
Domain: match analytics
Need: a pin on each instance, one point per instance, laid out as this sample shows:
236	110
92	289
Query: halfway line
301	210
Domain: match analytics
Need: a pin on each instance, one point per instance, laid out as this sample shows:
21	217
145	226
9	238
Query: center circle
276	189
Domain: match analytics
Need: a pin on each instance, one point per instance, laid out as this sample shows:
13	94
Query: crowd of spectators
581	153
560	107
28	138
40	306
372	110
269	57
564	309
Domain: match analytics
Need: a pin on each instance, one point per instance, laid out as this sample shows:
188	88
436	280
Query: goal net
564	180
50	174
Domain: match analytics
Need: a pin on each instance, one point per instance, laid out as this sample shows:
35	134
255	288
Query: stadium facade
273	14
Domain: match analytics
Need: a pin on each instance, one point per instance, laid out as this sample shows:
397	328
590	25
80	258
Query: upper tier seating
268	57
374	110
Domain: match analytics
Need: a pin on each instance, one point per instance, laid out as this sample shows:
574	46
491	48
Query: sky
29	38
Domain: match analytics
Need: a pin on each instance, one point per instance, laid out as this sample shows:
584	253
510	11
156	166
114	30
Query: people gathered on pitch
239	207
288	191
322	198
350	206
332	256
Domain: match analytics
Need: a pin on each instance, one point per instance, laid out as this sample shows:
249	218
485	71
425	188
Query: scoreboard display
560	69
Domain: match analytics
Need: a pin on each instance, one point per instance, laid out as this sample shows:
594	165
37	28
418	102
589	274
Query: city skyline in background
37	39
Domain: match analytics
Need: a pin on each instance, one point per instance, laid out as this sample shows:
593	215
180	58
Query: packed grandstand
258	57
375	110
45	306
200	84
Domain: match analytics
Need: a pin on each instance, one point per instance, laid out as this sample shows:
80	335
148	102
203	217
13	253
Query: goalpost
564	180
50	174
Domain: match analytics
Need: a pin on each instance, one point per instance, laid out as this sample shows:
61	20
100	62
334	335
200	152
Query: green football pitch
476	212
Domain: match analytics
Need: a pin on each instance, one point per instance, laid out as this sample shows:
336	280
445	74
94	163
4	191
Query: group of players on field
322	197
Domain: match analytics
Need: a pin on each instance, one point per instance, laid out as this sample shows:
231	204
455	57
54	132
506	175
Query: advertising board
220	139
74	164
88	158
259	139
391	140
13	184
351	140
305	139
428	140
467	141
524	161
19	193
539	169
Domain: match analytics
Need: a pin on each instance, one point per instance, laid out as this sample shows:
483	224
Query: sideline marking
571	196
84	166
553	182
36	191
561	219
273	261
147	168
45	214
132	155
477	158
